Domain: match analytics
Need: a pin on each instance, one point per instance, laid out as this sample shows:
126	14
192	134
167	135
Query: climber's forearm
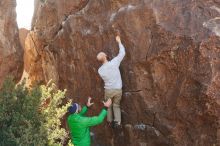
121	49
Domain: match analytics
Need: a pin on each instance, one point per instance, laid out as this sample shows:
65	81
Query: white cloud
25	10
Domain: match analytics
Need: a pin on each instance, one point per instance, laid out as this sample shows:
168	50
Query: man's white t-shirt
110	72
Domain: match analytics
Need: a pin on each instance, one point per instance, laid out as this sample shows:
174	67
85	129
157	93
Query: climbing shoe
117	125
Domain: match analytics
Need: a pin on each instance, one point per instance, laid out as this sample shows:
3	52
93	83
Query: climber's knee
117	97
116	105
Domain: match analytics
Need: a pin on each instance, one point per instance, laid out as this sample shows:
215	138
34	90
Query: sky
25	10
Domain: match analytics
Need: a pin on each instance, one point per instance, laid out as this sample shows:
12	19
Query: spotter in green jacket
79	124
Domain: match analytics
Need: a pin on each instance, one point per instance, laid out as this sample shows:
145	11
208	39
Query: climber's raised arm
117	60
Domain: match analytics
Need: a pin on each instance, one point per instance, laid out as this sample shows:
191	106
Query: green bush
31	117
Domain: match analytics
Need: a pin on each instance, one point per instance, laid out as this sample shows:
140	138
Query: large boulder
11	53
171	72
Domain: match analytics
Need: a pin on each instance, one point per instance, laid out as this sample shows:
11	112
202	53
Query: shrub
31	117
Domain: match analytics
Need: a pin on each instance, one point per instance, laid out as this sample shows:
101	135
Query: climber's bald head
102	57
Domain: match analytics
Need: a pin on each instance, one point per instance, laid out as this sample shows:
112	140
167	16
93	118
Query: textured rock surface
171	72
10	49
22	36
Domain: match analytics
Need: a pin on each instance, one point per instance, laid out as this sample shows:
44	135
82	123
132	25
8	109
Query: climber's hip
114	94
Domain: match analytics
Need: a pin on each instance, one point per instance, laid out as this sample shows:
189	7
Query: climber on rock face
110	73
79	125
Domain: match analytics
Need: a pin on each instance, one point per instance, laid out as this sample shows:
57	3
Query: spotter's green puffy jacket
79	126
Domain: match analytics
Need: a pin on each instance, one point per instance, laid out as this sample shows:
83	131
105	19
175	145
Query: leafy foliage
31	117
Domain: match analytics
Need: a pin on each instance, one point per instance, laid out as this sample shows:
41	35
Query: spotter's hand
89	103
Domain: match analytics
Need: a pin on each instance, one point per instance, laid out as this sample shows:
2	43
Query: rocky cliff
171	72
11	53
22	36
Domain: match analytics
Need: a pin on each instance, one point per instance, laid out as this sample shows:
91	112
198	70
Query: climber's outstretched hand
89	103
118	39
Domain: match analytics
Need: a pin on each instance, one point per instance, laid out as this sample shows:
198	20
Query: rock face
171	72
22	36
11	53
